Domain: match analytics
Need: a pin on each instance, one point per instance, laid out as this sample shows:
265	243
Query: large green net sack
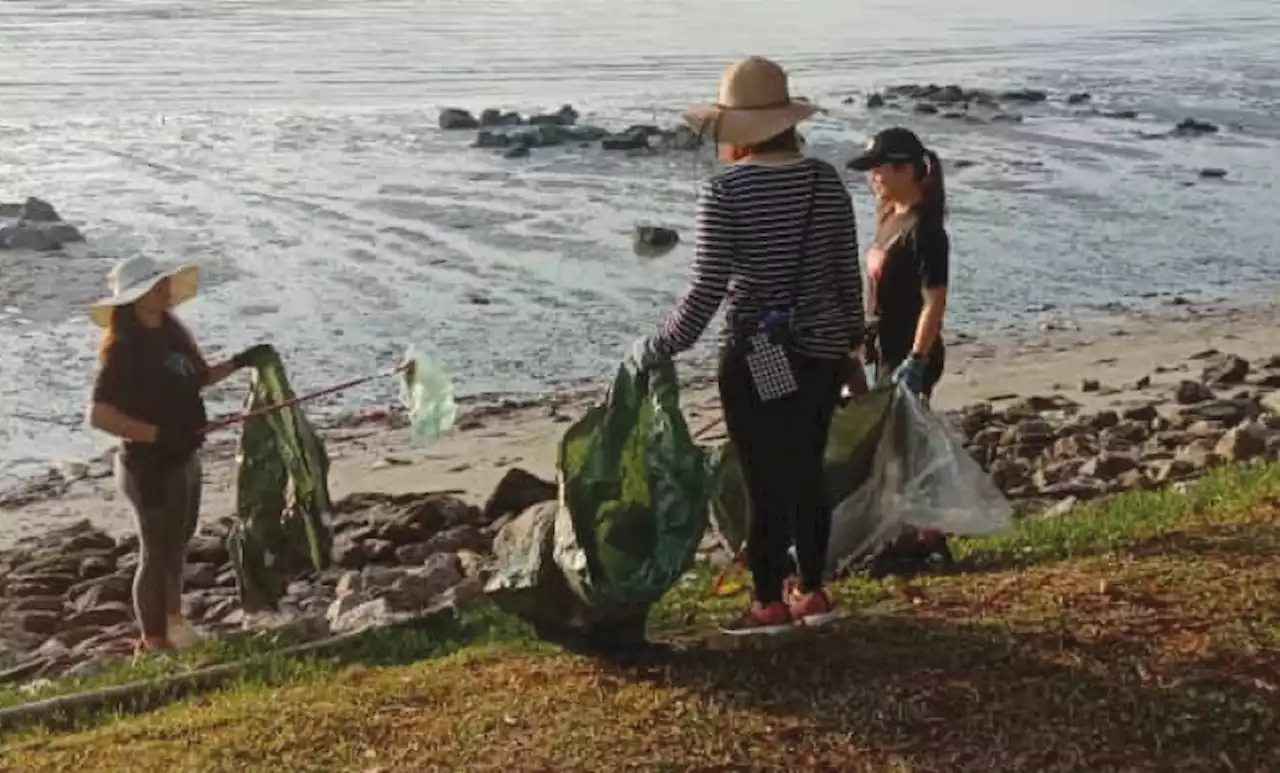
891	464
855	433
631	514
282	493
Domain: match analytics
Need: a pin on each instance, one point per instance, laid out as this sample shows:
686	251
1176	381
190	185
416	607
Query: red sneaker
813	609
760	620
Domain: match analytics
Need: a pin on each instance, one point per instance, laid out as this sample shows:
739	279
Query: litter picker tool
425	392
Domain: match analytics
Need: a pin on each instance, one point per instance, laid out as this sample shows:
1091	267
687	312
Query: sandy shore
1161	346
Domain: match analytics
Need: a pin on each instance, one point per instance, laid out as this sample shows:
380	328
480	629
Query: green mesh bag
282	493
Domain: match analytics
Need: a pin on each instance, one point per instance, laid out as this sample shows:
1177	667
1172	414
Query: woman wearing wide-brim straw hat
147	394
776	245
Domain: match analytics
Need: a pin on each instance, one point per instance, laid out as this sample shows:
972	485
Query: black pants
167	503
780	445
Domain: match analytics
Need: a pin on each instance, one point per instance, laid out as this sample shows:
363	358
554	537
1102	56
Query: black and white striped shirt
751	223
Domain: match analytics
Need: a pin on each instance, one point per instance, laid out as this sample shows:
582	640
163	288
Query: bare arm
210	374
217	373
933	251
113	421
848	274
930	323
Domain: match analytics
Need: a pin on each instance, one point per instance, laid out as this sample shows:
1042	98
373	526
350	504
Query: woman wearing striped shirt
776	246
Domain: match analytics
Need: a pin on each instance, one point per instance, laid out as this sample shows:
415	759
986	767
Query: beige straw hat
132	278
755	104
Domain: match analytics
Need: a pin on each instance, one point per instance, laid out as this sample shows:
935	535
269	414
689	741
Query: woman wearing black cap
908	266
908	261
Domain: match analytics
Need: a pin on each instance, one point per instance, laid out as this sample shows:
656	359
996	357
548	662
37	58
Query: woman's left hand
251	356
857	381
911	374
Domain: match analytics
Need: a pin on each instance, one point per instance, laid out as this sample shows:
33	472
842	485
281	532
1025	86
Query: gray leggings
166	521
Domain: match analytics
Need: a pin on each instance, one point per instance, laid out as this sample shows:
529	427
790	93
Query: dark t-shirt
915	254
154	376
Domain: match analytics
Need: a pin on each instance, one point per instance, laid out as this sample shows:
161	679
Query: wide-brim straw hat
755	104
132	278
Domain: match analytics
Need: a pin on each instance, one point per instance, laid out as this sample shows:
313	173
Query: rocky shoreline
516	136
65	596
1047	455
975	105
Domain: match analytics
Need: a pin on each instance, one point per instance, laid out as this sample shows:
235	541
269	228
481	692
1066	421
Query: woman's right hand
857	381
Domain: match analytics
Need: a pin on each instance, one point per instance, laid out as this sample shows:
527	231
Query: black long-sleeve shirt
751	222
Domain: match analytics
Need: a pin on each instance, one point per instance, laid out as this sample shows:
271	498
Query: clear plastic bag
922	477
427	393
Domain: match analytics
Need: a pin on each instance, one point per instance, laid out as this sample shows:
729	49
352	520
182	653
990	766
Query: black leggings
780	444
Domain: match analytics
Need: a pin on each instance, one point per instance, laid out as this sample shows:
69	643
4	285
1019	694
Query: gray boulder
35	225
453	118
652	241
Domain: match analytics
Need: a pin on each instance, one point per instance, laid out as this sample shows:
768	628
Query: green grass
1138	634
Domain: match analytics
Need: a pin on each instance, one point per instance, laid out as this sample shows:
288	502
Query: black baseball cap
891	146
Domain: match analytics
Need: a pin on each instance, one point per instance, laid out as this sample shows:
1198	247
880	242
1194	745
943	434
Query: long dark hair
125	324
933	190
933	201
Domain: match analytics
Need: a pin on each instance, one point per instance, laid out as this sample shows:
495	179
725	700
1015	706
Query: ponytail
934	200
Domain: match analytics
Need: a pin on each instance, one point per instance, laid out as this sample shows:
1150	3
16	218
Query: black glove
251	357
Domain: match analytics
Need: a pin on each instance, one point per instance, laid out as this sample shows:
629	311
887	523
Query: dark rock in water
491	118
652	241
875	101
565	116
532	136
38	211
488	139
1079	98
1190	127
35	225
1006	118
453	119
1212	173
1123	115
632	139
925	108
1028	96
681	138
510	133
